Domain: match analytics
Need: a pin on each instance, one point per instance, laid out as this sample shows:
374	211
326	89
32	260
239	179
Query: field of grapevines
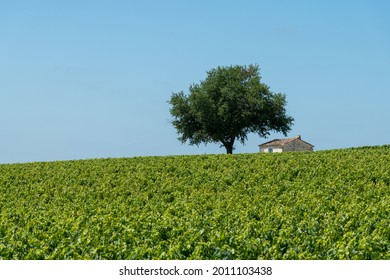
319	205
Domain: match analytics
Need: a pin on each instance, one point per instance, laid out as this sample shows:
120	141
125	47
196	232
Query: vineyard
313	205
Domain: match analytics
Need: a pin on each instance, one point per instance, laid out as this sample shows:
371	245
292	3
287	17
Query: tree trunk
229	150
229	147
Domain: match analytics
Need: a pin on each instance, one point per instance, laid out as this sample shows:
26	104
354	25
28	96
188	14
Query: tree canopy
230	103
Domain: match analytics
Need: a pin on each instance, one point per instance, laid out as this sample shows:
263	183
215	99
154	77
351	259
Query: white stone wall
274	149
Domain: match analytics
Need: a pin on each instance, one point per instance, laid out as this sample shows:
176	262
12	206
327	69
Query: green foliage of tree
230	103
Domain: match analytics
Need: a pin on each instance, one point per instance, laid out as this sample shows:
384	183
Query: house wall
297	146
274	149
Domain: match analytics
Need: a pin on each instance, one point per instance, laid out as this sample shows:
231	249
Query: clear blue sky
91	79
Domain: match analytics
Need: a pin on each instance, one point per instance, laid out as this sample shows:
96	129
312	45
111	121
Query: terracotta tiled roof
282	142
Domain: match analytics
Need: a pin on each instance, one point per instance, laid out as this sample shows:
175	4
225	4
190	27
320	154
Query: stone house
295	144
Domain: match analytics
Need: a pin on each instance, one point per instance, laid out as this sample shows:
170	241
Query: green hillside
320	205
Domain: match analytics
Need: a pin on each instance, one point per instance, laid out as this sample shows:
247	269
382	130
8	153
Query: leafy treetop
230	103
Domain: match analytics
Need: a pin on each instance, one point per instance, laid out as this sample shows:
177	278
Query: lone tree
230	103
